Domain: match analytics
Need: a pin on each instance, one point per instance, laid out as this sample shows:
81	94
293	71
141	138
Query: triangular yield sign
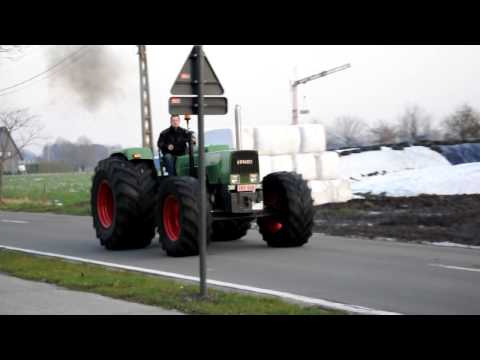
185	83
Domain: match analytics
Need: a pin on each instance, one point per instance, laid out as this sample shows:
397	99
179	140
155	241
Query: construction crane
147	137
294	87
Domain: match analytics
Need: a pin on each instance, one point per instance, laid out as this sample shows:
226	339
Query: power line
5	91
45	71
25	49
48	75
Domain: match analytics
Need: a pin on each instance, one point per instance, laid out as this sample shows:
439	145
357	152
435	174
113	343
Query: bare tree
383	133
463	124
415	124
347	131
20	128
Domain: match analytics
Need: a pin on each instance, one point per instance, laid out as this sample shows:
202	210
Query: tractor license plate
246	188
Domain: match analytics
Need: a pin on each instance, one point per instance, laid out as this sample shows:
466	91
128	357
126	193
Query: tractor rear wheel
286	194
228	230
123	201
178	214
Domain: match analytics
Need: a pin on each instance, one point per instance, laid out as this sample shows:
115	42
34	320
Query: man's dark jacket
178	137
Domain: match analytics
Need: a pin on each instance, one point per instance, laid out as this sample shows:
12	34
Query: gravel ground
453	218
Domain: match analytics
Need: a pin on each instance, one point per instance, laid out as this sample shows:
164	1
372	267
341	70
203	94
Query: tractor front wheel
178	216
287	195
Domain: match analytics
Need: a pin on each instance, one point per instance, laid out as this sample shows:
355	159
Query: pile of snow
451	244
439	180
387	160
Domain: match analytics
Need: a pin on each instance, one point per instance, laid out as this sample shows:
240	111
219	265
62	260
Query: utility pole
147	139
294	88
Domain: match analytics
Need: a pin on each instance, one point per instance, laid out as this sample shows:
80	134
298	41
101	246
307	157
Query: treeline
414	125
66	156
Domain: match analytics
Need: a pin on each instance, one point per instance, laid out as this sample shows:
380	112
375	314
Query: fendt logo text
245	162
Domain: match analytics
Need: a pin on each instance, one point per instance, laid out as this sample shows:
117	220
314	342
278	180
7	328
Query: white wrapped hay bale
248	139
328	165
322	192
305	164
265	163
282	163
342	190
330	191
277	140
313	138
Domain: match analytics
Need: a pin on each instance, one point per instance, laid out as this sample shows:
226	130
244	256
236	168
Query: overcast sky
382	81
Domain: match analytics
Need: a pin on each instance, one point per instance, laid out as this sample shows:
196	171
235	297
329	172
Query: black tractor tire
287	194
125	218
228	230
178	214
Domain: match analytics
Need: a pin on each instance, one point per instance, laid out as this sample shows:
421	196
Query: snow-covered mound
388	160
440	180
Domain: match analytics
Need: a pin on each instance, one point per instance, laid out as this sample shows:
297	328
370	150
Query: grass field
57	193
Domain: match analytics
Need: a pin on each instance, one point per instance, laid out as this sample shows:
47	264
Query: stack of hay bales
300	148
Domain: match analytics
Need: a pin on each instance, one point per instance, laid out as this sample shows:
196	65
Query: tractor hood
221	162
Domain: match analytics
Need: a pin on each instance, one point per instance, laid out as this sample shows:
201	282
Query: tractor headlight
254	178
234	179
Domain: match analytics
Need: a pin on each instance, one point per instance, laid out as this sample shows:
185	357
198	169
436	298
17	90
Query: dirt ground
453	218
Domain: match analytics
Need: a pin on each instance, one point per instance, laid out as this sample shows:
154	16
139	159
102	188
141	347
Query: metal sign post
198	78
201	174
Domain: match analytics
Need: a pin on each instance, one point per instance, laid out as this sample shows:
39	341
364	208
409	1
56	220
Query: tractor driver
172	142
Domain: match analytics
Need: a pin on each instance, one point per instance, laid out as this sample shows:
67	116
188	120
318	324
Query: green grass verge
146	289
56	193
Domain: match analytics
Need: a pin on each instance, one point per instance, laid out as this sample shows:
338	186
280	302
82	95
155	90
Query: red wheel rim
105	205
272	200
273	226
171	217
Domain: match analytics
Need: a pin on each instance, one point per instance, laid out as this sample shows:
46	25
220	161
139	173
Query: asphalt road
390	276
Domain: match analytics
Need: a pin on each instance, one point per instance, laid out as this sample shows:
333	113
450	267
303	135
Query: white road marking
450	244
15	221
314	301
455	267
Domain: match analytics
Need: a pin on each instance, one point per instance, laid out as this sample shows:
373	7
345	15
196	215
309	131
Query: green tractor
130	201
